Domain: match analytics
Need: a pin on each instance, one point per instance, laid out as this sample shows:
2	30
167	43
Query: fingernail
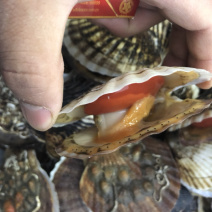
38	117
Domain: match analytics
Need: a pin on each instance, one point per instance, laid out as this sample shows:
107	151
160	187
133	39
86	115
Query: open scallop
149	115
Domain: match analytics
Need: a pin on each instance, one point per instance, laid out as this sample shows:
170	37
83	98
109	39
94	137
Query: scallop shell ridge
100	51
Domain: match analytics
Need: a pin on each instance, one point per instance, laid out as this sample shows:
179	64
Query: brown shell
25	187
100	51
66	176
138	177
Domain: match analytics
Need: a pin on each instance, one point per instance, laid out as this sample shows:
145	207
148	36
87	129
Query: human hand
191	36
31	63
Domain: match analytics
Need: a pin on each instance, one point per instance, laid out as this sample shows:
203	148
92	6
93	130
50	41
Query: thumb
30	56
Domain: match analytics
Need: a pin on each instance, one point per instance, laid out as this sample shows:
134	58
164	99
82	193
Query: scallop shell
188	92
99	51
24	185
207	113
14	130
75	86
55	136
66	176
140	177
163	115
195	163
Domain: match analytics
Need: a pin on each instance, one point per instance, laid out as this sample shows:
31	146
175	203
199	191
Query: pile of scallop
132	136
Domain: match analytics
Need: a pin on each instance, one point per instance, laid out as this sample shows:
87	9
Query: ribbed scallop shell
166	113
99	51
25	186
194	159
66	176
140	177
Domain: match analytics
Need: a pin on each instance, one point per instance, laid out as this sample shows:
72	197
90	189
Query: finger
31	34
143	20
190	14
178	51
200	51
194	17
192	49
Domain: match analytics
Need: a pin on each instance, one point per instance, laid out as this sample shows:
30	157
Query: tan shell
194	159
140	177
25	186
163	115
99	51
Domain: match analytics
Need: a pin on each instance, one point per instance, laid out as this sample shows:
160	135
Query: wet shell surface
25	186
140	177
166	111
99	51
194	159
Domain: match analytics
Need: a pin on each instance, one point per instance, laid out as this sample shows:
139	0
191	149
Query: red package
105	9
